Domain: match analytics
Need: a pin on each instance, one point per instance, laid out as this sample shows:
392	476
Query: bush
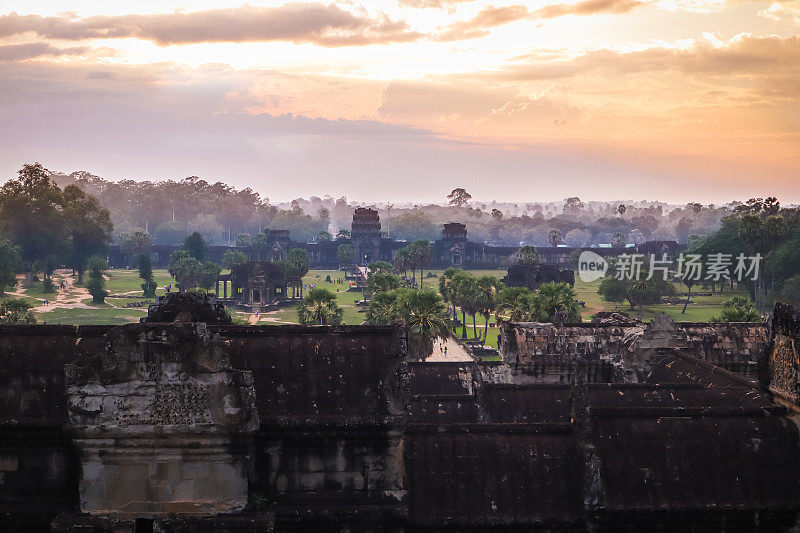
97	283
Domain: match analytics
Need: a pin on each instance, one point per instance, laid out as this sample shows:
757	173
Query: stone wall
548	352
781	369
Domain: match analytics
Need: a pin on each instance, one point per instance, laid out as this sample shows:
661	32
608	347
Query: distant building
253	285
531	276
453	249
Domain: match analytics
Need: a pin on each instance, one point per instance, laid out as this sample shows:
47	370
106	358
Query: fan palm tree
445	290
489	287
426	317
382	309
319	307
512	301
558	299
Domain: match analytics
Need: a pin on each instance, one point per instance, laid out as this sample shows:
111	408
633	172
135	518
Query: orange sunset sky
403	100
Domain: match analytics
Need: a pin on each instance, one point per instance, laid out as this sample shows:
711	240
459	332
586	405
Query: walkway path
455	352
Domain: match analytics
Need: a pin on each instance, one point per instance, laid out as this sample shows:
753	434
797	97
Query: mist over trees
171	210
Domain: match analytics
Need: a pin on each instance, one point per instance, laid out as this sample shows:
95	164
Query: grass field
124	287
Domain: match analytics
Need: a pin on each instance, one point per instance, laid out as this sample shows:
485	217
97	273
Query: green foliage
233	257
528	255
172	232
210	274
145	266
134	243
48	286
296	266
30	208
643	292
738	309
88	226
459	197
324	236
382	282
259	247
13	311
423	311
196	245
187	271
96	285
381	267
551	302
790	290
243	240
10	263
344	255
319	307
614	290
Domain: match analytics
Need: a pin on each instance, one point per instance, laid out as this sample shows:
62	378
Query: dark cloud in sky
325	25
21	52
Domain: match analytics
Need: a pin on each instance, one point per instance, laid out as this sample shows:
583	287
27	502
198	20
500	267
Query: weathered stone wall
548	352
781	368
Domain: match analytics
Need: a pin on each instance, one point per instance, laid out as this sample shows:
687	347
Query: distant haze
403	100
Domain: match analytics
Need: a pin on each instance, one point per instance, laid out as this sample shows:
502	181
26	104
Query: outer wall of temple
333	429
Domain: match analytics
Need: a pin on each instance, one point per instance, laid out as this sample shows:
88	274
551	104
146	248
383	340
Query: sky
404	100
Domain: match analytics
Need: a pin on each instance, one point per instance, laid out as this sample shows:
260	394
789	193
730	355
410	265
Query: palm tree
319	307
297	265
426	317
402	261
558	299
514	301
422	253
489	287
445	289
461	294
382	309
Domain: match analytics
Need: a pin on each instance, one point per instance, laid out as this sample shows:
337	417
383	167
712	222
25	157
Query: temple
185	422
369	244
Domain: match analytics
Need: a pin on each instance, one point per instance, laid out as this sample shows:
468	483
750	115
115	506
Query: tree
172	232
16	311
382	282
382	308
425	316
466	295
342	234
489	288
243	240
196	245
645	291
554	237
324	236
577	238
210	275
528	255
319	307
557	303
497	215
421	255
459	197
344	255
790	291
30	210
514	301
233	257
135	243
96	285
381	267
145	266
618	241
88	226
738	309
446	291
186	270
259	246
10	263
297	265
403	261
613	290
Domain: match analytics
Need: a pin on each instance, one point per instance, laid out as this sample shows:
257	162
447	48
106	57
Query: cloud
491	16
21	52
325	25
439	4
587	7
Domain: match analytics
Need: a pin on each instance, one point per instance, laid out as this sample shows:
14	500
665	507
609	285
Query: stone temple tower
365	235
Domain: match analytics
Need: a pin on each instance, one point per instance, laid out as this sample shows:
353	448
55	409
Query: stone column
162	422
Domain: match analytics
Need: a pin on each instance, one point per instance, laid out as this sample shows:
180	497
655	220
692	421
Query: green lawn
700	308
121	282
